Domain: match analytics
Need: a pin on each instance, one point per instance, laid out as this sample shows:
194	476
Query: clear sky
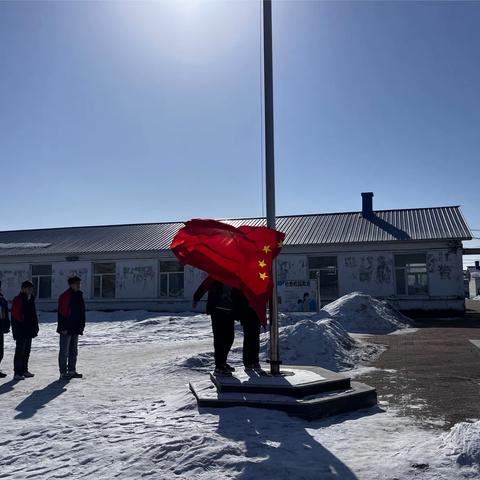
119	112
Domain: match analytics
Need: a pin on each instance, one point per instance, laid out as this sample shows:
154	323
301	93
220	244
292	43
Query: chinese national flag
238	257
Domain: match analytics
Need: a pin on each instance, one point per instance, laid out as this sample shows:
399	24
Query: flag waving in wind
238	257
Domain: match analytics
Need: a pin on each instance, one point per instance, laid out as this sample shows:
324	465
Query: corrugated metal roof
440	223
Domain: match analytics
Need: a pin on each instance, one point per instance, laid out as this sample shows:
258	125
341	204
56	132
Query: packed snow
323	338
463	443
132	416
361	313
324	343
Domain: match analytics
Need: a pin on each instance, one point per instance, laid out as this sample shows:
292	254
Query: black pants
223	327
22	354
251	339
1	347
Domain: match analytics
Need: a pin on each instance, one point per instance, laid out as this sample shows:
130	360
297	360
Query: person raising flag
239	259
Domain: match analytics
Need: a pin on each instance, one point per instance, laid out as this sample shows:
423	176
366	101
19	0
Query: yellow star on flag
263	276
267	249
262	264
280	244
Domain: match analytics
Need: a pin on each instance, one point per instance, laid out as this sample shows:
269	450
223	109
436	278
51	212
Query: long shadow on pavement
281	447
38	399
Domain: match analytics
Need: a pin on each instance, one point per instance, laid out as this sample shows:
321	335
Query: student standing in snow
251	331
71	324
220	308
4	325
24	329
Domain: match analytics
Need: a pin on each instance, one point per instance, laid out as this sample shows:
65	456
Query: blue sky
121	112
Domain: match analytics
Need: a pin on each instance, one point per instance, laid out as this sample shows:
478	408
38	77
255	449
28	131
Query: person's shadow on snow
38	399
280	446
7	386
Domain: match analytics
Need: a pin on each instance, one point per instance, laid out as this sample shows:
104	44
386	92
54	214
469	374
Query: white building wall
445	273
368	272
61	271
359	269
137	278
474	285
12	275
193	279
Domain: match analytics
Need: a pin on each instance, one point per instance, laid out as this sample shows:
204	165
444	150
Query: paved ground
435	371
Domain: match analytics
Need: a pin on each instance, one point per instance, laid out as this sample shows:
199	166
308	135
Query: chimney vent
367	204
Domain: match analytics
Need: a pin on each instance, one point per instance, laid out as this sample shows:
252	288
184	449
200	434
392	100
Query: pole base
274	367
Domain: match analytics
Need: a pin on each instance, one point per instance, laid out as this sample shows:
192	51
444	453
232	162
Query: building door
324	270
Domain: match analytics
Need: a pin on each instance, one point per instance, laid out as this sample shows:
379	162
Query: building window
325	270
104	280
411	274
42	281
171	279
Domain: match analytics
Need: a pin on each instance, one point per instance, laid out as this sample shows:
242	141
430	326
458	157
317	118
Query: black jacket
4	315
222	298
24	317
71	313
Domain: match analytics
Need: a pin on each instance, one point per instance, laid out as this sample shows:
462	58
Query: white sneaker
18	377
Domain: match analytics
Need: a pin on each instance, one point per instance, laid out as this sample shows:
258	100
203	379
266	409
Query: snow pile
323	342
360	313
463	442
476	298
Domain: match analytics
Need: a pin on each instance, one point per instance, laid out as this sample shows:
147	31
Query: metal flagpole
270	175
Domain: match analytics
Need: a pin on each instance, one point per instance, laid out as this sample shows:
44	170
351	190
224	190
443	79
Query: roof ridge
219	219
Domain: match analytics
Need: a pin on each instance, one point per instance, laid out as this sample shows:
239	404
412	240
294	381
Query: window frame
101	276
167	274
329	270
407	271
36	280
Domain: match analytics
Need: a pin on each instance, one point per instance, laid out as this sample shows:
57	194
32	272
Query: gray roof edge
228	219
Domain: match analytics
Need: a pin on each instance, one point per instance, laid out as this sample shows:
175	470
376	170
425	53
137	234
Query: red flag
238	257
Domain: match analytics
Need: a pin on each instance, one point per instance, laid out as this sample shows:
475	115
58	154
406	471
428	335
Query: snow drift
463	442
357	312
323	342
361	313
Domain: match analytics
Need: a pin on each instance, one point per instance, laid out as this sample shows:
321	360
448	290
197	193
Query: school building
412	257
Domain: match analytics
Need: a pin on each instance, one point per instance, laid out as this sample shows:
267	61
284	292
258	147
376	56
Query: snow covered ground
133	417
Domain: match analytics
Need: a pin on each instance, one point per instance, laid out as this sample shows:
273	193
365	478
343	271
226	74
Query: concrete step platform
295	381
212	394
